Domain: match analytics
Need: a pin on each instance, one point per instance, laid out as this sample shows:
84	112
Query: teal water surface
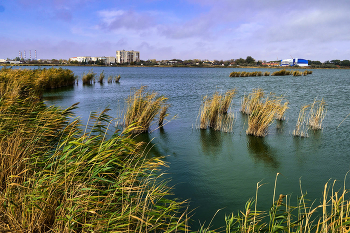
215	170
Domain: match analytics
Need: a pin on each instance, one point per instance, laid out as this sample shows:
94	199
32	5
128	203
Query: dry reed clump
317	114
163	113
89	77
248	102
261	116
281	73
142	108
330	215
213	112
281	109
266	73
56	178
262	111
110	79
117	78
300	128
246	74
306	72
25	81
313	118
297	73
101	77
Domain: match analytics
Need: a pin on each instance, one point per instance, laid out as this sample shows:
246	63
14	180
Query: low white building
87	59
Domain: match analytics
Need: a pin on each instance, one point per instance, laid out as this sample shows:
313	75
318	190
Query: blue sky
182	29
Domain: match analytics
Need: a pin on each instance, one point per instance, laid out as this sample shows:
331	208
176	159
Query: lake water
216	170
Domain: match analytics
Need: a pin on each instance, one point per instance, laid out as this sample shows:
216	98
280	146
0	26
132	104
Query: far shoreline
178	66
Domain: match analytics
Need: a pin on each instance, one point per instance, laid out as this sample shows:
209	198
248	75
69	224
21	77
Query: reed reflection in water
261	151
211	141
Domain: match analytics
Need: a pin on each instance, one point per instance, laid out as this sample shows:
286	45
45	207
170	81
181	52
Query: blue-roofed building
294	62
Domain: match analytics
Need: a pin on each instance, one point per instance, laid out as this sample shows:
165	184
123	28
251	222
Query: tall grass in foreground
55	177
213	112
142	108
332	214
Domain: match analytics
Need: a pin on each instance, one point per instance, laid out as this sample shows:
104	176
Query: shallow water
215	170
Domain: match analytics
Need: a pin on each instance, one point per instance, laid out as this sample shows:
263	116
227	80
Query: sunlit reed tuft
142	108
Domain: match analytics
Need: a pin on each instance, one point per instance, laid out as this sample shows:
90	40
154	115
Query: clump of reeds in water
246	74
110	79
101	77
262	111
117	78
262	114
317	114
36	80
306	72
281	73
297	73
163	113
300	128
142	108
214	112
248	102
89	77
266	73
281	109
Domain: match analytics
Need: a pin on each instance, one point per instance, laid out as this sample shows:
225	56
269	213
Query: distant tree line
330	64
248	61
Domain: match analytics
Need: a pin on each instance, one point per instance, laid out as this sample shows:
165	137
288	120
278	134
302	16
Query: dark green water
215	170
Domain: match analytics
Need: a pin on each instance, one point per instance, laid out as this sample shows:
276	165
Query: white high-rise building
127	56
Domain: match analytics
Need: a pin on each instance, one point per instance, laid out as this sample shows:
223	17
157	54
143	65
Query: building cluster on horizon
121	57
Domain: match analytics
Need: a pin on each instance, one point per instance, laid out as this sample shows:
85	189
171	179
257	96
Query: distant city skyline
185	29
